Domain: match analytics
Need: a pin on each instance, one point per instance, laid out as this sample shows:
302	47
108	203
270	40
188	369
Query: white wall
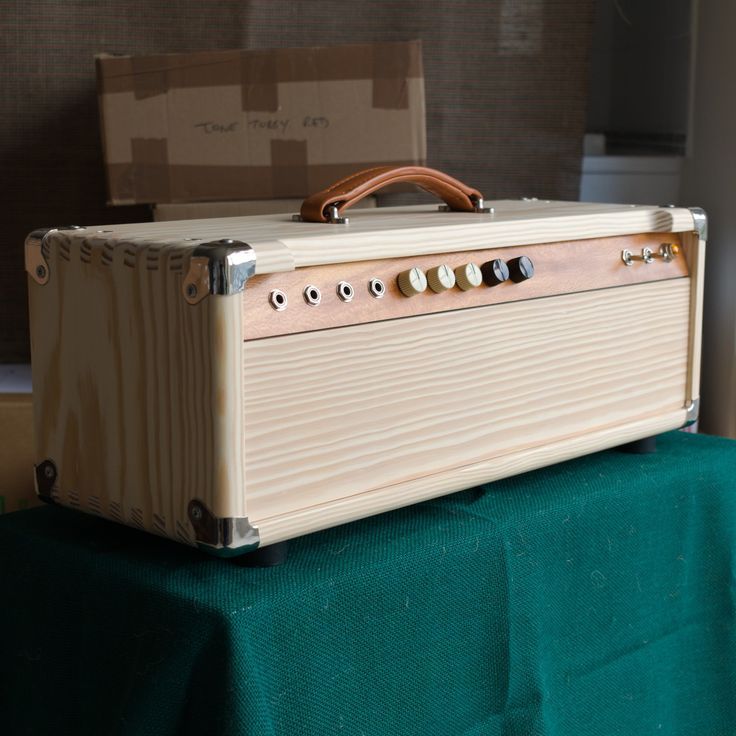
709	181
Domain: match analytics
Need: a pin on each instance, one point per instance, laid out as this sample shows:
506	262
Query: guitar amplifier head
236	382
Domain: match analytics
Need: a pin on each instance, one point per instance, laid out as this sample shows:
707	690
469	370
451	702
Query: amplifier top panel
277	243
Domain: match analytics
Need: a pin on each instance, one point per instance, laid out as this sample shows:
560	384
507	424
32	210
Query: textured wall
709	181
505	87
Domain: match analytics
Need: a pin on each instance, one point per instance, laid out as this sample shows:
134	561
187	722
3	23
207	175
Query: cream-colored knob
440	278
412	282
468	276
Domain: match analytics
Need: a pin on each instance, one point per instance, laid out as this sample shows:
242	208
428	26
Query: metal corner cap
224	537
700	222
38	235
36	264
230	264
45	475
693	411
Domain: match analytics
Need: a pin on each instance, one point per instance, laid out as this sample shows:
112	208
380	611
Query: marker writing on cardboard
269	124
211	127
321	122
281	125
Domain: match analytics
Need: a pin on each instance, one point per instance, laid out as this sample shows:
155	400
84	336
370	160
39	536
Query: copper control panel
337	295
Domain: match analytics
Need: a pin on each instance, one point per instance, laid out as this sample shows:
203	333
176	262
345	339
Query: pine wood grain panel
281	244
560	268
346	411
696	258
342	510
136	392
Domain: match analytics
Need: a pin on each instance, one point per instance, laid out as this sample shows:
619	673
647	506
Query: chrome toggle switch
667	252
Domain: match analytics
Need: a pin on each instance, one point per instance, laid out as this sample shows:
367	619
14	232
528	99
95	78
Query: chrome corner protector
700	221
220	268
224	537
39	234
35	262
44	479
36	265
693	410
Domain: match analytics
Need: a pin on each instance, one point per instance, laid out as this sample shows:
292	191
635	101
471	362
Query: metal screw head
48	471
41	271
195	511
191	290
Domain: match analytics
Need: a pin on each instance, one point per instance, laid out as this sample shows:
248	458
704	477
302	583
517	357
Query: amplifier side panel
336	417
137	393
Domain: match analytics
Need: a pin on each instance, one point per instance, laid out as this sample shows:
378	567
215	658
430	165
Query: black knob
521	269
494	272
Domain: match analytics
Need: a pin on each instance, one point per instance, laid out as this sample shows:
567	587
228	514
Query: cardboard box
16	452
265	124
202	210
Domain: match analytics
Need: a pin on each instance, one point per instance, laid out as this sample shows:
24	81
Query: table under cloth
593	597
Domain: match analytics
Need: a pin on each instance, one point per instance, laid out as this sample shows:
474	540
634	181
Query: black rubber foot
274	554
646	446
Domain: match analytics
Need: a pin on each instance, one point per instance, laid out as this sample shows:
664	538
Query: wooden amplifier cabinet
237	382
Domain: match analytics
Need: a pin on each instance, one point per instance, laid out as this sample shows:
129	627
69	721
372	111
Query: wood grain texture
137	394
344	412
281	244
560	268
145	402
350	508
695	251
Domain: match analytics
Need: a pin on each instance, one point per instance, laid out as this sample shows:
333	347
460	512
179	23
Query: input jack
377	288
277	299
312	295
345	291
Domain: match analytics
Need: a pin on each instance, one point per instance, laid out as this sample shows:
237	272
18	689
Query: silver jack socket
345	291
277	299
312	295
377	288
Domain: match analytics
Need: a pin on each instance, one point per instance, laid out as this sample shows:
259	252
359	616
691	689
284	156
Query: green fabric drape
594	597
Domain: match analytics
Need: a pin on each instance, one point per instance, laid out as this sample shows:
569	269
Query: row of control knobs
468	276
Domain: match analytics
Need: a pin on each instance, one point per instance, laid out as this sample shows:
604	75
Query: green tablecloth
593	597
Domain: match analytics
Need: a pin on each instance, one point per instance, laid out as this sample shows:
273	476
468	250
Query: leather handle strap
345	193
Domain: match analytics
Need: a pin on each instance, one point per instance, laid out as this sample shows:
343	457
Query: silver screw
41	272
196	512
191	290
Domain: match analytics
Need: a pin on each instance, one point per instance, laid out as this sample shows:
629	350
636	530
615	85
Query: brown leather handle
345	193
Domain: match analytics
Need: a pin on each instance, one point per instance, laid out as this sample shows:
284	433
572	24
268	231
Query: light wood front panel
560	268
311	518
339	413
